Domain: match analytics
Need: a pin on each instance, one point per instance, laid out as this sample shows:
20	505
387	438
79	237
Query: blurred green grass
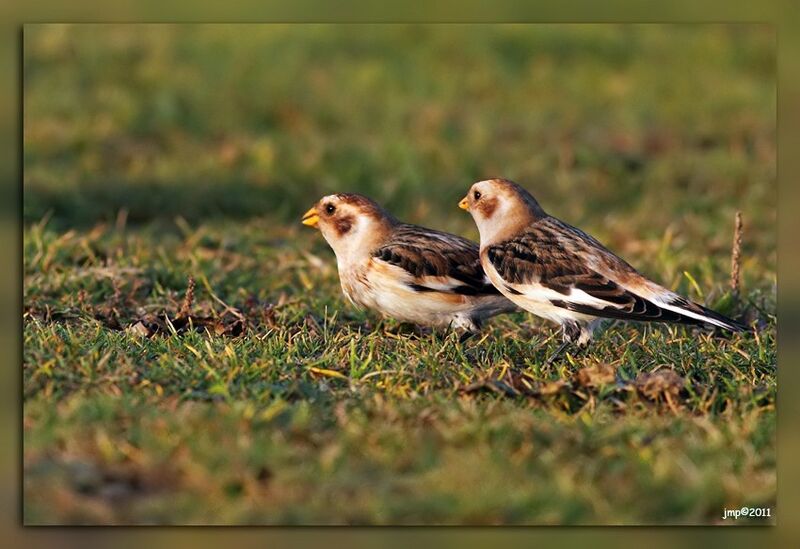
155	153
257	120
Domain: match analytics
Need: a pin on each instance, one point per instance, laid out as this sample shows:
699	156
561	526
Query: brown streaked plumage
404	271
560	273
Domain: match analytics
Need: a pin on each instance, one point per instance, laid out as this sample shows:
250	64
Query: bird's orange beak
464	205
310	218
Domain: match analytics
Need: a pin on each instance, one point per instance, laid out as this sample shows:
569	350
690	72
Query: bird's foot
409	329
557	354
466	336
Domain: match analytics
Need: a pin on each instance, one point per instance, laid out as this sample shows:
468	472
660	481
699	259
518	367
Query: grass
189	357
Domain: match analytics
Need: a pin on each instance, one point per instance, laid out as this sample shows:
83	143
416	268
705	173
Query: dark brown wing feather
427	253
556	256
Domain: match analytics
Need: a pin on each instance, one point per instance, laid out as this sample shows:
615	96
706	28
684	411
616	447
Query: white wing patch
660	301
539	293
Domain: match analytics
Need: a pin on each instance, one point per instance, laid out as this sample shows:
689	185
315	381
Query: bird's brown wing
436	261
556	262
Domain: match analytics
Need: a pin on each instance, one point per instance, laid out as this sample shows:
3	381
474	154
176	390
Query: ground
189	358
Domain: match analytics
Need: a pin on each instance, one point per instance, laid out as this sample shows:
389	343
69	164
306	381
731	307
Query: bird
564	275
407	272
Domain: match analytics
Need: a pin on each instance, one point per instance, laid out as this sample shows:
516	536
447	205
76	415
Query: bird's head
352	224
499	206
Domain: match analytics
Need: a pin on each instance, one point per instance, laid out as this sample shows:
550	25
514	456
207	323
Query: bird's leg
572	332
557	353
463	338
585	335
468	328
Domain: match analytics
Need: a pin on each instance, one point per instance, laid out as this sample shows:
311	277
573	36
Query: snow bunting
410	273
562	274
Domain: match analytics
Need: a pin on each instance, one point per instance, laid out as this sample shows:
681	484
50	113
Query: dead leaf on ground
596	376
666	383
552	387
138	329
489	385
514	384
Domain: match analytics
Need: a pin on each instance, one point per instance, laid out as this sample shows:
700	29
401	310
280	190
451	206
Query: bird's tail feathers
697	312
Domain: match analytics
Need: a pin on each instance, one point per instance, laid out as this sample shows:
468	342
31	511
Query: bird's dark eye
476	195
330	208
